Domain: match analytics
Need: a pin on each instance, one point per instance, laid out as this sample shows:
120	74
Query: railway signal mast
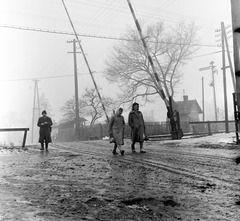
212	67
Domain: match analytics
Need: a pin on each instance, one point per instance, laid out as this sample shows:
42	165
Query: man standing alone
45	124
136	122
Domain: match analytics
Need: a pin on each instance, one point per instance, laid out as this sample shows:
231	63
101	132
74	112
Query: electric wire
113	14
93	36
42	78
105	12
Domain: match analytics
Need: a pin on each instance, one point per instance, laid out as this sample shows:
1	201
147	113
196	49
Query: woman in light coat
116	131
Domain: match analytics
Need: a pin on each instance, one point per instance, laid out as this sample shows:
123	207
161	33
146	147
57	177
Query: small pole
203	98
76	90
214	90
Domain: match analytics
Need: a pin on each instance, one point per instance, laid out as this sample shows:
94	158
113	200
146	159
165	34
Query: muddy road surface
188	179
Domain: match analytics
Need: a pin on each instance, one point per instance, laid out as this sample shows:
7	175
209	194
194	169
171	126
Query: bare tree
89	105
69	110
92	105
128	64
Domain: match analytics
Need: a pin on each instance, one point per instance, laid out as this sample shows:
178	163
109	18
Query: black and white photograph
119	110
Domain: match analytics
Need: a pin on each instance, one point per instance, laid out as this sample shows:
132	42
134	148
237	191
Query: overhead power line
92	36
42	78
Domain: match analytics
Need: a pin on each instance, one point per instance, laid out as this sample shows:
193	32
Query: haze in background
28	55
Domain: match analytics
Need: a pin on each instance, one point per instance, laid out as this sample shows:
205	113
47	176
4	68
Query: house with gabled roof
189	110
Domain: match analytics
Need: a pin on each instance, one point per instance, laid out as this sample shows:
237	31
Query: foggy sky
28	55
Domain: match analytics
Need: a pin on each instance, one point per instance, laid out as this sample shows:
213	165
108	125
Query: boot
115	149
122	152
46	145
141	148
133	148
42	146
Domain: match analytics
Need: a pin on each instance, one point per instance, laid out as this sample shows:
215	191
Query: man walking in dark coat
136	122
45	124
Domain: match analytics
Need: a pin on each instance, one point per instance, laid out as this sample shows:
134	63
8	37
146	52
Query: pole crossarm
205	68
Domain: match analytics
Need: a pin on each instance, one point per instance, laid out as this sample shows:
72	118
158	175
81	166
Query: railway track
170	152
150	162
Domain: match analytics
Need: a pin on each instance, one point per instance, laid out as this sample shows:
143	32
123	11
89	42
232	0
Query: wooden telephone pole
86	61
224	77
224	44
76	89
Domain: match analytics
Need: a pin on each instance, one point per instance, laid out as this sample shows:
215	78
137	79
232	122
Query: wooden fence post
209	128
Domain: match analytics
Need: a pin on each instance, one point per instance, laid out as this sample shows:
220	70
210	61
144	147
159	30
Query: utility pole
36	106
76	89
224	38
224	41
224	78
229	59
203	99
212	84
235	8
86	61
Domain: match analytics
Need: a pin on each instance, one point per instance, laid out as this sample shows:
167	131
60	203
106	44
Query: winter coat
116	128
136	122
45	130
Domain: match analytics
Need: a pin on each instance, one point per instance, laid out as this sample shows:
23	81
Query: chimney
185	98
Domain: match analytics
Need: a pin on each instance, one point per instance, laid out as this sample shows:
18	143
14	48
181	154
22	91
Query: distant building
189	110
72	123
65	131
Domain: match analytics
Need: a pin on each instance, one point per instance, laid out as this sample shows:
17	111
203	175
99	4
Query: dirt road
192	179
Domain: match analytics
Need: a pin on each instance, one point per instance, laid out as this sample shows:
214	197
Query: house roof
186	107
70	123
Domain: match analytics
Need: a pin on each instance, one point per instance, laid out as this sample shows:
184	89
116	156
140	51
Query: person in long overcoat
116	131
136	122
45	124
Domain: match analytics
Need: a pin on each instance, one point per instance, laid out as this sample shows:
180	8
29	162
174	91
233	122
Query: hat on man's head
44	112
